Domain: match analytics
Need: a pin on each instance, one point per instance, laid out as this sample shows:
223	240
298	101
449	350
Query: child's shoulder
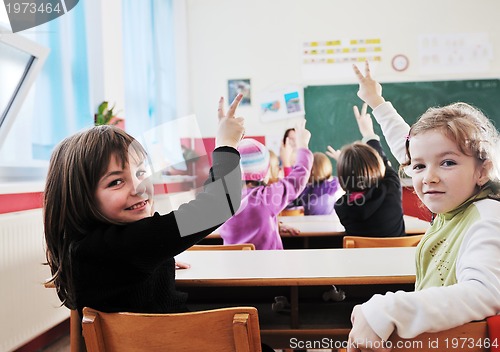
488	202
488	208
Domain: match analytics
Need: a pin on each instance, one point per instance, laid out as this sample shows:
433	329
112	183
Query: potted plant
106	115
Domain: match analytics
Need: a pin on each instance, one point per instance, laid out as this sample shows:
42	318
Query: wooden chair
470	337
292	212
76	343
369	242
225	330
222	247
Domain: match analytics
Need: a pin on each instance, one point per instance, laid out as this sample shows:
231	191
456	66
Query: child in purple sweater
256	221
323	189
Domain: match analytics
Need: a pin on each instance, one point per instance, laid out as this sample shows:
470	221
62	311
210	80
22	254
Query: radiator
27	308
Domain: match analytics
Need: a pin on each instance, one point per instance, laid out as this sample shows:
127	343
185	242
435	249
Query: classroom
162	66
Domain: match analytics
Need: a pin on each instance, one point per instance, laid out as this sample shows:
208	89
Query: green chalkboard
331	120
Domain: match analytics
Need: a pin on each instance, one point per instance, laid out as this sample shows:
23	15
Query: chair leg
77	344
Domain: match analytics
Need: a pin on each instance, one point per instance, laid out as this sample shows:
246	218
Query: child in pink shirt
256	221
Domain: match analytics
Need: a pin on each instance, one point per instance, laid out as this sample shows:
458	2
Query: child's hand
362	336
370	91
365	122
286	151
302	136
332	153
288	230
182	265
231	129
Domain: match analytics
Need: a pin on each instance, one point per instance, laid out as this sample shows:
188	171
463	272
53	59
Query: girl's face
125	194
443	176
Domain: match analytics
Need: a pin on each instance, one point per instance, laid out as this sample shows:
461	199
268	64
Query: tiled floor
61	345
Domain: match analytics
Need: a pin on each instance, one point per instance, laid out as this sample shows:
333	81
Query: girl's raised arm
231	129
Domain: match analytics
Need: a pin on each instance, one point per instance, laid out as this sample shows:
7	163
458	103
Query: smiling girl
106	247
451	153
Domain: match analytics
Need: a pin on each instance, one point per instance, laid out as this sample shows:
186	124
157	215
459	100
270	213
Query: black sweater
380	212
131	267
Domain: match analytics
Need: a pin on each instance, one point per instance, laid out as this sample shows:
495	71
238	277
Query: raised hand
332	153
302	136
231	129
370	91
286	152
365	122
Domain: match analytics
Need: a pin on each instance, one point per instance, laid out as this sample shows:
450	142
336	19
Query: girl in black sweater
106	247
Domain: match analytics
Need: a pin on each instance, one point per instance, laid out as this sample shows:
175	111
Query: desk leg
77	344
306	242
294	307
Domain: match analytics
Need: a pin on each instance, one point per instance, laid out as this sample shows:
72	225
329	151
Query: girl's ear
484	172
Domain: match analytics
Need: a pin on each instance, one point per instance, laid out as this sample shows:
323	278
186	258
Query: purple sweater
318	198
256	221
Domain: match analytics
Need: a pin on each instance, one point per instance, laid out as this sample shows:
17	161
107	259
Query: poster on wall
333	59
453	53
237	86
281	103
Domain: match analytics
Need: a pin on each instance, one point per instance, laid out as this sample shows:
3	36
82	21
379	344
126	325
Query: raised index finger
234	105
363	109
356	111
221	108
367	69
357	72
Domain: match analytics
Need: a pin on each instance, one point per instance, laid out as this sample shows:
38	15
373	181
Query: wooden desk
329	225
213	273
323	231
336	266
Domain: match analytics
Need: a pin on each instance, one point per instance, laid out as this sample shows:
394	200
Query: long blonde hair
321	169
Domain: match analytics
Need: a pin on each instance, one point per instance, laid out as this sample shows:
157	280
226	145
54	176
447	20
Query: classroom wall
262	40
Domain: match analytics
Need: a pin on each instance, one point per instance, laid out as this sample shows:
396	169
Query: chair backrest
471	337
223	247
292	212
225	330
369	242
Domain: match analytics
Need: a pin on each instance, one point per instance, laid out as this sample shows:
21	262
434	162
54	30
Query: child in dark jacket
372	204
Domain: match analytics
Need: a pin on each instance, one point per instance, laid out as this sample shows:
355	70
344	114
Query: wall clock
400	62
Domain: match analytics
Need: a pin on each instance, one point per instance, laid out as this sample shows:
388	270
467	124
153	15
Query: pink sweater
257	219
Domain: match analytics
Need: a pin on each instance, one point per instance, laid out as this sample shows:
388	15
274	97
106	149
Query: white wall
262	39
104	30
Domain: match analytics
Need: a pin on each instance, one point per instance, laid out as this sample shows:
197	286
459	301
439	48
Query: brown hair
287	133
473	132
76	166
321	168
359	167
